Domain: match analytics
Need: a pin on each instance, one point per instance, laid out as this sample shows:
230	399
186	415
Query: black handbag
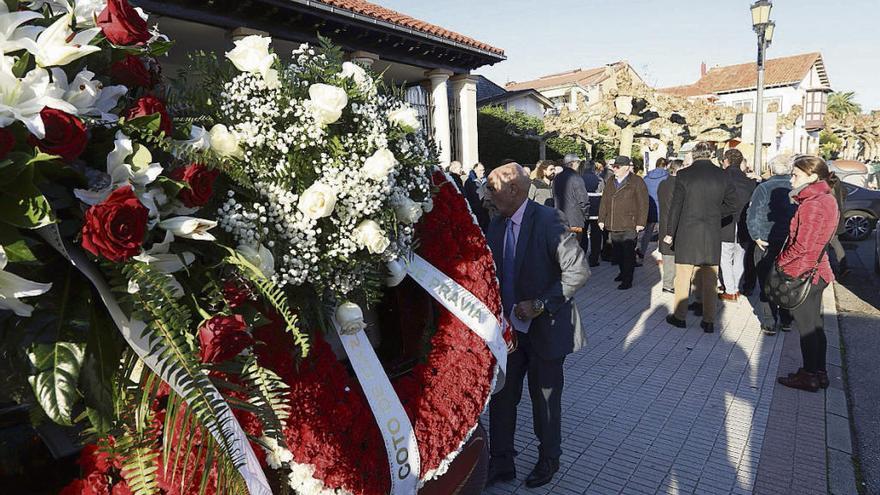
789	292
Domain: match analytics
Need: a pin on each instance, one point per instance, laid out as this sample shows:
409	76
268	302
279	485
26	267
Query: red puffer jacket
810	230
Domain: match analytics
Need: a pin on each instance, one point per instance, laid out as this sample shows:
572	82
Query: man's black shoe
543	473
669	291
672	320
500	472
785	327
768	329
697	308
707	327
624	286
618	278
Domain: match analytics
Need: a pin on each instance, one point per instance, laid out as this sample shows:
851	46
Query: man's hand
640	228
601	225
762	244
525	310
667	239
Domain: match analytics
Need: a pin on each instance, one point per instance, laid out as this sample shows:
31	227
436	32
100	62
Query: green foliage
21	203
829	144
267	392
140	469
844	103
57	368
496	144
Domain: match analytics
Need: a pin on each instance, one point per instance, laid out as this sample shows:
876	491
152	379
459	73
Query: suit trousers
764	259
645	238
623	244
545	389
594	243
706	283
669	271
732	266
808	320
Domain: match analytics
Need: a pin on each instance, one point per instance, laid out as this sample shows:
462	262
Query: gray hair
704	150
781	164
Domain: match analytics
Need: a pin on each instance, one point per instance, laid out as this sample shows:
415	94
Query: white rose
380	164
317	201
251	54
408	211
350	318
360	77
224	142
397	272
258	256
328	102
371	236
406	118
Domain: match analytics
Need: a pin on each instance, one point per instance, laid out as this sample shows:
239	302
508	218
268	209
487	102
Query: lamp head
768	32
761	12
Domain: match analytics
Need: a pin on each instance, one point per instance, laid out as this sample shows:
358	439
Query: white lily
12	33
59	45
84	11
162	260
190	228
259	256
13	287
199	139
23	99
89	95
125	165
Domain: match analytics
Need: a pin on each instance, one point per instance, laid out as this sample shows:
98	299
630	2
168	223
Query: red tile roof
387	15
742	77
583	77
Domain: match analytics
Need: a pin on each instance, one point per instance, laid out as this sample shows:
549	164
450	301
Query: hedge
496	144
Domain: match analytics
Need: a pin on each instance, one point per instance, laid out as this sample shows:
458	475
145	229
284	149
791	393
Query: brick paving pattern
649	408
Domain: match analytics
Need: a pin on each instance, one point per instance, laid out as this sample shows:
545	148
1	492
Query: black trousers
623	245
546	379
808	319
764	259
592	244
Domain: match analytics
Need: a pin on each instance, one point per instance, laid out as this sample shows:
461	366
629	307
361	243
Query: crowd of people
547	226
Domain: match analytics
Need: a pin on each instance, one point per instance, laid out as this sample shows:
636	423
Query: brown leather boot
821	375
802	381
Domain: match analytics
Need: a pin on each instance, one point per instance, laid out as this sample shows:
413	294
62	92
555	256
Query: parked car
877	248
860	212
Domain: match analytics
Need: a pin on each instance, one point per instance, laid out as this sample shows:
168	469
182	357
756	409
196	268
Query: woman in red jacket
810	230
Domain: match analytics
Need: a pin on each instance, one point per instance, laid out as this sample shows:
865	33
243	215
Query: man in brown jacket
623	213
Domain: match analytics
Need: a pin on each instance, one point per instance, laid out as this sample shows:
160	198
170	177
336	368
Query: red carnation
149	105
201	184
96	484
76	487
121	488
122	24
65	134
223	337
115	228
7	142
131	72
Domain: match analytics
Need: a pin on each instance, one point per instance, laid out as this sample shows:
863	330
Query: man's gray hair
781	164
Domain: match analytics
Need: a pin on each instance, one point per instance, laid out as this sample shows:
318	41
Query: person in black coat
570	195
475	179
664	200
734	232
703	195
594	184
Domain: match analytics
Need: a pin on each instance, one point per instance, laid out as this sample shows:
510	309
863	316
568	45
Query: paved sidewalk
649	408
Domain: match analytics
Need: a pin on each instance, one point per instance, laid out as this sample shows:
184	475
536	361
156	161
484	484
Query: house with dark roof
434	63
574	87
528	101
797	84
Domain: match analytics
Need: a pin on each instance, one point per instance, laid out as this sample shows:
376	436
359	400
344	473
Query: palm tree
840	104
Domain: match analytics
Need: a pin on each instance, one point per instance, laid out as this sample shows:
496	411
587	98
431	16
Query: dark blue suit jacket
549	265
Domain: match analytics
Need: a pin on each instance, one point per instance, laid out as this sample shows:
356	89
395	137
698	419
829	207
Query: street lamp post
763	27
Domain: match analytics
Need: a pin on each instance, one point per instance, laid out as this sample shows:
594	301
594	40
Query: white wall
526	104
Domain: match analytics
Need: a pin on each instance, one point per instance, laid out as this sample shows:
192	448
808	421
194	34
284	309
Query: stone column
464	90
364	59
440	116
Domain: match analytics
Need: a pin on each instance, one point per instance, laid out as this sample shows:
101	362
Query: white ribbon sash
132	330
397	431
465	306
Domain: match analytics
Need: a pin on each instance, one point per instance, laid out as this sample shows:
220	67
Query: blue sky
665	40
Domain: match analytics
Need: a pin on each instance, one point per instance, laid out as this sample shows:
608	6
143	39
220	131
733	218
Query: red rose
149	105
201	184
236	293
65	134
122	24
131	72
7	142
223	337
115	228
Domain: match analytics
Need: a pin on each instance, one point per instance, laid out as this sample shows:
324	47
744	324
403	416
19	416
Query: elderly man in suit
540	266
703	195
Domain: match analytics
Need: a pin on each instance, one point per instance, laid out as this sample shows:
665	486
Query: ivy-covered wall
496	144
